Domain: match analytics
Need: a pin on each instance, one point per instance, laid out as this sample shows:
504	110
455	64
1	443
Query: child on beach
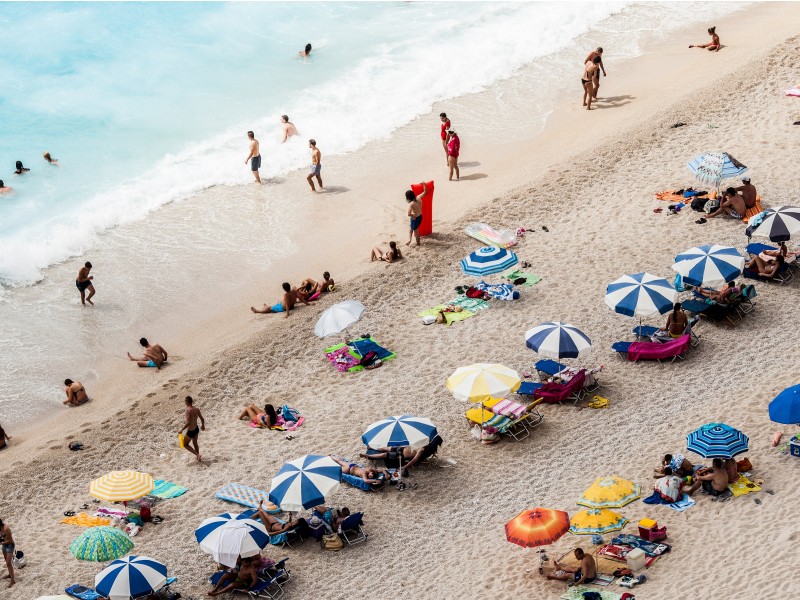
714	45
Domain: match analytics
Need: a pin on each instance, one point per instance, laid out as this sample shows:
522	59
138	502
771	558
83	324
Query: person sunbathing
246	578
772	255
267	417
391	255
678	463
732	204
765	269
321	287
368	475
273	525
722	296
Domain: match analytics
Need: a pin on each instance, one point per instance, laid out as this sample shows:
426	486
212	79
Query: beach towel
743	486
657	350
752	212
341	357
508	408
681	505
490	236
471	304
364	345
530	279
166	490
84	593
110	512
499	291
238	493
605	564
487	418
85	520
616	553
576	593
649	548
346	357
450	317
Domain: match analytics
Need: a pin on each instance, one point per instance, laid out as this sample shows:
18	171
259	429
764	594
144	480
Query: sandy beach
590	178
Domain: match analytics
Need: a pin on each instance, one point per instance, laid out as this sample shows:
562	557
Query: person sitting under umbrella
676	325
722	296
274	526
243	578
714	480
766	269
732	204
677	463
585	573
410	457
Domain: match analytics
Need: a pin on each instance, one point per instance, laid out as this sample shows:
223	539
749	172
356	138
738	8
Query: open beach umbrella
537	527
709	265
400	431
779	224
610	492
101	544
717	440
338	318
785	407
713	167
230	535
305	482
120	486
557	340
488	260
130	577
483	381
590	521
641	295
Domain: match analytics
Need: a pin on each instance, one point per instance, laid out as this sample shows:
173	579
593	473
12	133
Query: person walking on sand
50	159
592	55
153	356
9	549
445	137
76	393
5	189
254	157
415	213
453	150
316	165
714	45
587	79
192	414
84	282
286	304
288	128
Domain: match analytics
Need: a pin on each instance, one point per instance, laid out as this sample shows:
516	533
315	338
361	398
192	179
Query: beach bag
331	541
699	204
428	320
289	414
369	358
744	465
711	206
19	559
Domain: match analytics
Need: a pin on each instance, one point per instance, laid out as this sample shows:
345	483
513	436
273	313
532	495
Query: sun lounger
264	587
733	312
84	593
671	350
549	367
514	428
646	332
756	248
554	393
351	530
784	274
528	388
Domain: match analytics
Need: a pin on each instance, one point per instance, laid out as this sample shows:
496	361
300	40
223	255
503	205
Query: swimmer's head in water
2	185
19	165
285	118
286	287
144	342
68	382
251	135
312	143
308	48
46	156
712	30
410	196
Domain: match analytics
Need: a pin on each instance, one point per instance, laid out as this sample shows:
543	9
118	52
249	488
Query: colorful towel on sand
451	317
341	357
282	423
680	505
743	486
649	548
471	304
166	490
502	238
508	408
752	212
110	512
363	346
346	357
576	593
530	278
238	493
85	520
499	291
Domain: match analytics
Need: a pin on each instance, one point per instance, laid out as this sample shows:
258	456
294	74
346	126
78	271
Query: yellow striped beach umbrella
120	486
482	382
610	492
590	521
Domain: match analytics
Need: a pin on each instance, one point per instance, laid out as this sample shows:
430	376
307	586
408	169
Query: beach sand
590	178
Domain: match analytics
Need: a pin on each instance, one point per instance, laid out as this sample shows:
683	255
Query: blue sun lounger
528	388
549	367
260	590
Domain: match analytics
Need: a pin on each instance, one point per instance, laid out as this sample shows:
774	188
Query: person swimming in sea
288	128
5	189
714	45
20	170
304	53
50	159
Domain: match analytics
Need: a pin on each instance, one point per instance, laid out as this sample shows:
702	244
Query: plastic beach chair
352	529
553	392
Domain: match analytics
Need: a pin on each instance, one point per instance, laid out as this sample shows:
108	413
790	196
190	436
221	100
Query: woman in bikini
587	79
267	417
772	255
76	393
274	526
368	475
766	269
389	256
676	322
714	45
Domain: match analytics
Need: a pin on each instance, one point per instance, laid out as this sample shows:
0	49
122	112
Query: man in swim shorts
748	192
76	394
288	128
290	298
192	414
316	165
592	55
84	282
715	481
254	157
585	573
9	549
732	204
415	213
153	356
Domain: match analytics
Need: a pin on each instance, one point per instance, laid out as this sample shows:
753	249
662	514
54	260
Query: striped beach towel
166	489
238	493
508	408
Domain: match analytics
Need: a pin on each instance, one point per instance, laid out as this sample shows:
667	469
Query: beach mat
85	520
470	304
576	593
238	493
743	486
530	278
346	356
167	490
752	212
502	238
451	317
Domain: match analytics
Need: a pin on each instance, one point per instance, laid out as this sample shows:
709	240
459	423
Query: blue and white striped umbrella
709	265
400	431
488	260
641	295
131	577
717	440
711	168
779	224
305	482
230	535
557	340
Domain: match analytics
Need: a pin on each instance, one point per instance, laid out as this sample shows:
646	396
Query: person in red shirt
453	148
445	128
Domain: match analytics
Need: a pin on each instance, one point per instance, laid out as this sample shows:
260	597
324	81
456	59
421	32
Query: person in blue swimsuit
290	297
153	356
415	213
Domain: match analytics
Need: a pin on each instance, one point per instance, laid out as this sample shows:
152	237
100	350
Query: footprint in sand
151	394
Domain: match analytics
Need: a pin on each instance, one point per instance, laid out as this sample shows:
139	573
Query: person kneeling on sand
290	298
154	355
369	475
267	417
585	573
391	255
76	394
732	204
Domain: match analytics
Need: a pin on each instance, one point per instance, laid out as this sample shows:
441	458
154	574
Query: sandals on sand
701	220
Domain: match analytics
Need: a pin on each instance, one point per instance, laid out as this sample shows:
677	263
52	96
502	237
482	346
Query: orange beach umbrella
537	527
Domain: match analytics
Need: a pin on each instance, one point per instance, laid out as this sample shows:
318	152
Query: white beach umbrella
557	340
338	318
229	535
709	265
779	224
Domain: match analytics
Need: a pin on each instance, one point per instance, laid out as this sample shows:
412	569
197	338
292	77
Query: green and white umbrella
101	544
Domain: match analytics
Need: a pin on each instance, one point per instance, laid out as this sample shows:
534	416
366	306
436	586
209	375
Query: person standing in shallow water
254	157
84	282
288	128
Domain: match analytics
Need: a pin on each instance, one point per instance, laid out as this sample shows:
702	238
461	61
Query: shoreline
400	293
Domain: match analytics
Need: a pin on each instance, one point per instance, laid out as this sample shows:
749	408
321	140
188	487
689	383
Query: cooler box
426	228
635	559
794	447
648	530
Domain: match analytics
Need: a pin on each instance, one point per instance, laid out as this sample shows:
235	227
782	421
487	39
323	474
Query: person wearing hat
748	192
